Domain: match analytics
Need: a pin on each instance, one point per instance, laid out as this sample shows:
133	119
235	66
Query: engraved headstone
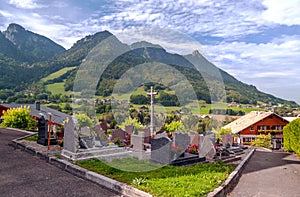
118	133
207	148
227	139
181	140
147	136
101	139
161	149
71	142
137	141
42	131
129	129
195	138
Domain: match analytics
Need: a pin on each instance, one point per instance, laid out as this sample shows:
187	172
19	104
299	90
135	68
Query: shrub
262	140
19	118
291	136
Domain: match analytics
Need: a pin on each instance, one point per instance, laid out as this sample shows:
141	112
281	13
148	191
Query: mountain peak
13	27
34	46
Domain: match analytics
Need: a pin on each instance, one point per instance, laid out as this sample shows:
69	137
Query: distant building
37	111
249	126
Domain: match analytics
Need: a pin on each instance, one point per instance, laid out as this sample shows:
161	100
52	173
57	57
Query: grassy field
57	74
196	180
57	88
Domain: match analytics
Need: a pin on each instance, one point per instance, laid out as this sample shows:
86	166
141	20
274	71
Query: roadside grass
196	180
57	74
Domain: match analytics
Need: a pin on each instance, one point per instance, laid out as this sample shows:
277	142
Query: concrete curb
24	131
111	184
232	179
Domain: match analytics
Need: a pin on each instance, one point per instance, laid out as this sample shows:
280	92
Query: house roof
57	116
290	119
247	120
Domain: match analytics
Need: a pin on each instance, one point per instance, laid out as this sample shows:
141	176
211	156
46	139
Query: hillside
18	72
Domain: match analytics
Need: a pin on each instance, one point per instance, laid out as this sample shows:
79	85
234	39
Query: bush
291	136
262	140
19	118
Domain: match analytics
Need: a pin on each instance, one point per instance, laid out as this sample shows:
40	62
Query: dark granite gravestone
161	149
118	133
104	126
43	133
129	129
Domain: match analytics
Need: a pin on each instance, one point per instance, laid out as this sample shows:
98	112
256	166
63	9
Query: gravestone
181	140
100	139
147	136
43	132
201	139
71	142
227	139
194	138
137	142
129	129
118	133
207	148
104	126
161	149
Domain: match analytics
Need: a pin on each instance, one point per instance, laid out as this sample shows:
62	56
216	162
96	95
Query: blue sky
257	41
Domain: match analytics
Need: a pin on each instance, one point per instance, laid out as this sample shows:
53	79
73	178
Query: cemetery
155	162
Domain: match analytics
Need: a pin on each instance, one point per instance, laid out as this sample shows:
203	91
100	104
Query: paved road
270	174
24	175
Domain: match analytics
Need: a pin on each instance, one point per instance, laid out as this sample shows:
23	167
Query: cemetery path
269	174
24	175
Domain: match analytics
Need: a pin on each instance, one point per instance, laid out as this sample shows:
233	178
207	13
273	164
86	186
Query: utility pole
152	93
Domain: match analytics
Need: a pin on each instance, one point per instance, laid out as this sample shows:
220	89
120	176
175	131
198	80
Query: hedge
291	136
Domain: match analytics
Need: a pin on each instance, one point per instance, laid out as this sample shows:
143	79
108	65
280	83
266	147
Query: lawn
196	180
32	138
57	88
57	74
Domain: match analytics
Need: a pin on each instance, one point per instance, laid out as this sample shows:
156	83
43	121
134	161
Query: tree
262	140
132	121
83	121
173	126
291	136
19	118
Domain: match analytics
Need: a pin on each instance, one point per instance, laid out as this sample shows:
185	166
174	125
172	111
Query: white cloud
25	4
282	11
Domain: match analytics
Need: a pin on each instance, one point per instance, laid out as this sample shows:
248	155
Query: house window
251	128
262	127
278	127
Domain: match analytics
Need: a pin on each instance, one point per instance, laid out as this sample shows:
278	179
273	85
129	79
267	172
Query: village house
249	126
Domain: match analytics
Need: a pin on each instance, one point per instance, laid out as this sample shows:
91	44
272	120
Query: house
249	126
37	111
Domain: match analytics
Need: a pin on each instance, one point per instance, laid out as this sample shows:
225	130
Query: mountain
9	50
16	72
36	47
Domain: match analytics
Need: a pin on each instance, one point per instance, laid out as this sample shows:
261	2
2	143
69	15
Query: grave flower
193	149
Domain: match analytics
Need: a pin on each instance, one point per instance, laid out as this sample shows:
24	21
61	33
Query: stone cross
152	93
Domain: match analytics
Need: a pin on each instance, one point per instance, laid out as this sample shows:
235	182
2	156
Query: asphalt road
270	174
21	174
